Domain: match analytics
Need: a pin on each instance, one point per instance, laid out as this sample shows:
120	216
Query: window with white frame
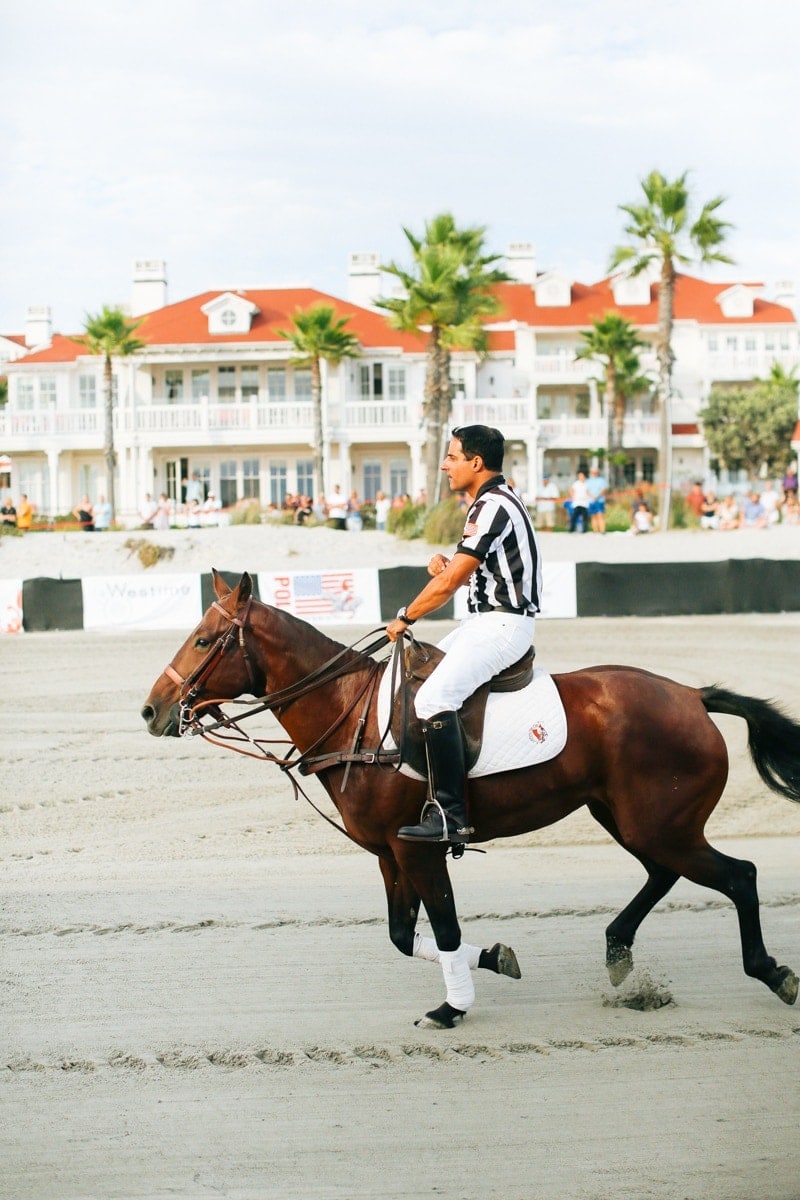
372	479
371	381
396	383
201	384
302	385
249	381
24	393
713	343
226	384
47	390
251	478
277	483
276	383
398	477
87	391
750	344
732	342
458	378
305	477
227	482
173	386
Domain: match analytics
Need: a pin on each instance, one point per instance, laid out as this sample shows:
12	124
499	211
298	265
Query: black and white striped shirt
500	534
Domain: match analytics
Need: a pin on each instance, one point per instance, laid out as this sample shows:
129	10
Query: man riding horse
498	556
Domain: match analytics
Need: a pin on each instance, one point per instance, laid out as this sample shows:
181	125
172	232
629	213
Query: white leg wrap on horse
455	968
425	947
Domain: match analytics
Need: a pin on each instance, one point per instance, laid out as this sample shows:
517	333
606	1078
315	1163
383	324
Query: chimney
149	290
521	262
785	293
364	279
38	326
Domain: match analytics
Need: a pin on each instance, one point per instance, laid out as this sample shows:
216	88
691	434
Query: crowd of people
762	505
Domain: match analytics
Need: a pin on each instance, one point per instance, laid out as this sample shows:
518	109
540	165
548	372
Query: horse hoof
619	963
788	986
443	1017
506	961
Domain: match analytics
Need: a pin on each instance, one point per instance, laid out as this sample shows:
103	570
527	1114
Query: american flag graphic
326	592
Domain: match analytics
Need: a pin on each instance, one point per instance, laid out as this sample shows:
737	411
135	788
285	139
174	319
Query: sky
252	143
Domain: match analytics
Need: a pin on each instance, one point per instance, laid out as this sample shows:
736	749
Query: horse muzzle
162	721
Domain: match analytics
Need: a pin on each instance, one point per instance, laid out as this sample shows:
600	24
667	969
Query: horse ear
245	588
220	586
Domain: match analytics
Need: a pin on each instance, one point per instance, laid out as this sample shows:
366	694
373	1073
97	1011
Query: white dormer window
631	289
229	313
553	290
736	302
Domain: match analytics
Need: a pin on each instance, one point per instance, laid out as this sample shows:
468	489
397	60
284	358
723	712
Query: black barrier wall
737	585
51	604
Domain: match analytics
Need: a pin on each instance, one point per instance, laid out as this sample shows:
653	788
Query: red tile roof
62	349
184	323
695	300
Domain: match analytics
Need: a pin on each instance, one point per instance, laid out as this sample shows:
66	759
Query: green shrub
444	524
407	522
246	514
148	553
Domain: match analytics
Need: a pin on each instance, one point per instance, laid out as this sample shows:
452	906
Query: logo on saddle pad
537	733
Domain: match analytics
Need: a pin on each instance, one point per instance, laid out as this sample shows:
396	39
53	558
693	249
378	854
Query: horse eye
202	643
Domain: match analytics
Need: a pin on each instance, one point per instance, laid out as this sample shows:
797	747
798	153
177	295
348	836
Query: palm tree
662	233
110	333
615	342
447	295
318	334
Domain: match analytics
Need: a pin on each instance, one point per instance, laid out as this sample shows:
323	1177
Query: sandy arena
200	997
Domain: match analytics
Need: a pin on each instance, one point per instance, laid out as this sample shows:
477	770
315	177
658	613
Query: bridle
191	686
226	730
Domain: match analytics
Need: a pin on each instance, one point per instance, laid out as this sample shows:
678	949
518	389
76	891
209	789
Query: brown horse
642	755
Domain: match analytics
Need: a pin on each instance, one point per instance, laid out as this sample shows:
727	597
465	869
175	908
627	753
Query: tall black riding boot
444	818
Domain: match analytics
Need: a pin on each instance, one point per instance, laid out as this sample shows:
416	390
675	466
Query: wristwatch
404	617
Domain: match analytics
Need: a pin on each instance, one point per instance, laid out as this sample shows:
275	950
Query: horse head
212	664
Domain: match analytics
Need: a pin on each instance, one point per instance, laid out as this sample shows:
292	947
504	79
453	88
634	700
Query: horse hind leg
620	934
736	878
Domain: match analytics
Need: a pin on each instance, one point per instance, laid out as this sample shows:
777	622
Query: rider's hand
437	564
395	629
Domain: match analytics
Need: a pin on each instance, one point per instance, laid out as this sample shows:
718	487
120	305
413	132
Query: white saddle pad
521	728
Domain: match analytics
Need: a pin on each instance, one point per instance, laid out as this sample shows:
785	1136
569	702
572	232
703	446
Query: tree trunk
664	355
109	452
436	409
318	457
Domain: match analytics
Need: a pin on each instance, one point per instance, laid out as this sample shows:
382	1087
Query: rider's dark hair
484	441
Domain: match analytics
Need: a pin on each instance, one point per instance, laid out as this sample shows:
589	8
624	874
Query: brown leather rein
224	730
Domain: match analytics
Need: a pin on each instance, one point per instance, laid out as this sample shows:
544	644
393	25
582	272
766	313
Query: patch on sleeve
470	529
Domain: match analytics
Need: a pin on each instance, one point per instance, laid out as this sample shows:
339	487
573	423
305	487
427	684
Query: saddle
419	660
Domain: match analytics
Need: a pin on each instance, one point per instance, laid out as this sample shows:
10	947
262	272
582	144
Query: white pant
483	644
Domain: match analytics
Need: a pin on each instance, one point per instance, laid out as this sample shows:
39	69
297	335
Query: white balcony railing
749	364
562	368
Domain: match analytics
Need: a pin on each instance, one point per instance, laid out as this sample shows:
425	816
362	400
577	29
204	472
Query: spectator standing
546	503
728	514
579	501
102	513
194	515
695	499
194	489
596	485
148	511
24	513
770	501
789	483
163	514
382	506
336	508
354	520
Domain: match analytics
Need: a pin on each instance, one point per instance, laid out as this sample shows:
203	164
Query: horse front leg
425	868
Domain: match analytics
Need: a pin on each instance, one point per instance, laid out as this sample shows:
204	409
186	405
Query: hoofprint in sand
200	996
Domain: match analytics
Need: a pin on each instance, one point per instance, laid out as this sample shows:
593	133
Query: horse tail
773	737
